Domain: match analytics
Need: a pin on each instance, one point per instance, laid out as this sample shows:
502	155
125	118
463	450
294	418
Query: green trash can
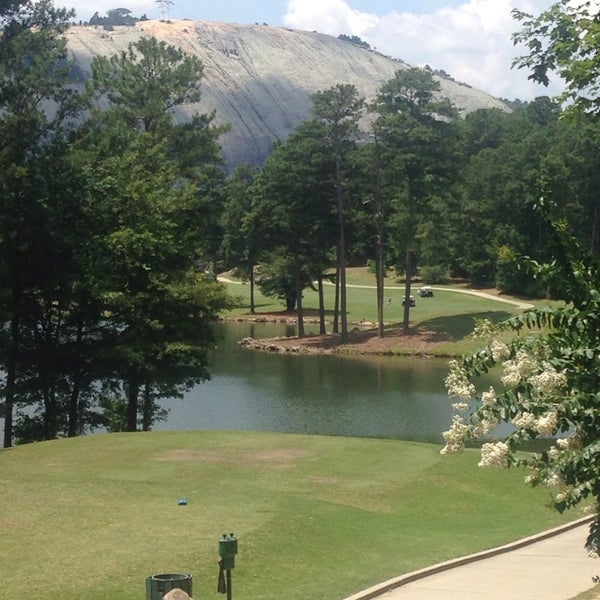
158	585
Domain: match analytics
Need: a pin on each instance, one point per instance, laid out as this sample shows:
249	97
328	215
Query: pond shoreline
363	339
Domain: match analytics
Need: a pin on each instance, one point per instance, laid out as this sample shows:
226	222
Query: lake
372	396
379	396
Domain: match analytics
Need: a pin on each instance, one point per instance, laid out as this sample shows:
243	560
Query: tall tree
33	73
295	193
241	228
339	109
375	199
121	297
420	152
157	176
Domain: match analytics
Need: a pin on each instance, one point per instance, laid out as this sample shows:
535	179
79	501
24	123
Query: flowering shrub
549	389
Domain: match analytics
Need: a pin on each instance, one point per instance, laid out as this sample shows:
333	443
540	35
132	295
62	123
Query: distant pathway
517	303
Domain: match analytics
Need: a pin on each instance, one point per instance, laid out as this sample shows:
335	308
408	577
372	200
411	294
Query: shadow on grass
456	327
242	304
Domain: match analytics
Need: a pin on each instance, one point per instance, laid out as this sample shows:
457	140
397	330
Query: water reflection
385	397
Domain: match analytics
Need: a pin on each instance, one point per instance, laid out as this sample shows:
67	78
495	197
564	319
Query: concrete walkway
553	565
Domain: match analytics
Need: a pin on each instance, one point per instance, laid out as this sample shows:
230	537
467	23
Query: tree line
107	211
115	218
418	190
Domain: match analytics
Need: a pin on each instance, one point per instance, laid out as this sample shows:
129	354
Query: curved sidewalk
553	565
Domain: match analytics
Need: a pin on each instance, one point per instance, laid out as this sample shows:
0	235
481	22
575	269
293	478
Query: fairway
451	313
316	517
446	303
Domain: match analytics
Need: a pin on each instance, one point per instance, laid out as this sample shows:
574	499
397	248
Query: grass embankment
449	313
316	517
591	594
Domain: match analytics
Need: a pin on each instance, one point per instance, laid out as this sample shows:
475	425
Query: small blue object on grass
182	502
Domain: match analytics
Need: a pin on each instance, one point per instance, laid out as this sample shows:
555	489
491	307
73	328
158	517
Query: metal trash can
158	585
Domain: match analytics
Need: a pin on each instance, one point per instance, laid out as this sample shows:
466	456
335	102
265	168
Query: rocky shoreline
363	339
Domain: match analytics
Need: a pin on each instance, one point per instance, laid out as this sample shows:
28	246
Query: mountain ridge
258	78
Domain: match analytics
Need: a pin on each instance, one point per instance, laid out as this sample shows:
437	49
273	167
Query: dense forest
116	219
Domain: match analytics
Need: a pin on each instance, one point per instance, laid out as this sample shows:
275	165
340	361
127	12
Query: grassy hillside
316	517
451	312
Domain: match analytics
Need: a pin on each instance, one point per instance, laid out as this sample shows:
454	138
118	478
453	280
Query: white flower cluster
486	424
499	350
549	381
525	421
484	329
458	384
514	370
488	398
553	481
494	454
533	477
571	443
455	436
547	424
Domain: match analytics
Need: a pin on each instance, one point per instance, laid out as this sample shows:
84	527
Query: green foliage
354	39
498	190
276	278
144	83
564	39
512	276
115	17
99	282
417	158
433	274
6	6
549	387
293	210
371	266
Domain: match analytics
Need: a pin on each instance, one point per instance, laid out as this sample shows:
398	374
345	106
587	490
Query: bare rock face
259	79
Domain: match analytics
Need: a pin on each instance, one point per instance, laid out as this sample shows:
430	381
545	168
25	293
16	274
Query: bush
512	278
433	274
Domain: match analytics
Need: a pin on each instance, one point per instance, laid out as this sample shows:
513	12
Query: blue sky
469	39
265	11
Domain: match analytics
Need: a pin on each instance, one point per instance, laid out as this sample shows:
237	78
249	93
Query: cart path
517	303
553	565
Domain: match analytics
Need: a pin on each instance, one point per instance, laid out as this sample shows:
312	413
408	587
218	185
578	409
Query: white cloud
471	41
327	16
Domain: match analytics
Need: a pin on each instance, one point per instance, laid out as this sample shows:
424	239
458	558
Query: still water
384	397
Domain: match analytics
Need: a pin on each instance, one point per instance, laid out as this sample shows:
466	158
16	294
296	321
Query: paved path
517	303
551	566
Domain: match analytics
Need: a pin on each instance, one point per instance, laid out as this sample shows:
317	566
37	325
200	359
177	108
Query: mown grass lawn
316	517
362	304
448	312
